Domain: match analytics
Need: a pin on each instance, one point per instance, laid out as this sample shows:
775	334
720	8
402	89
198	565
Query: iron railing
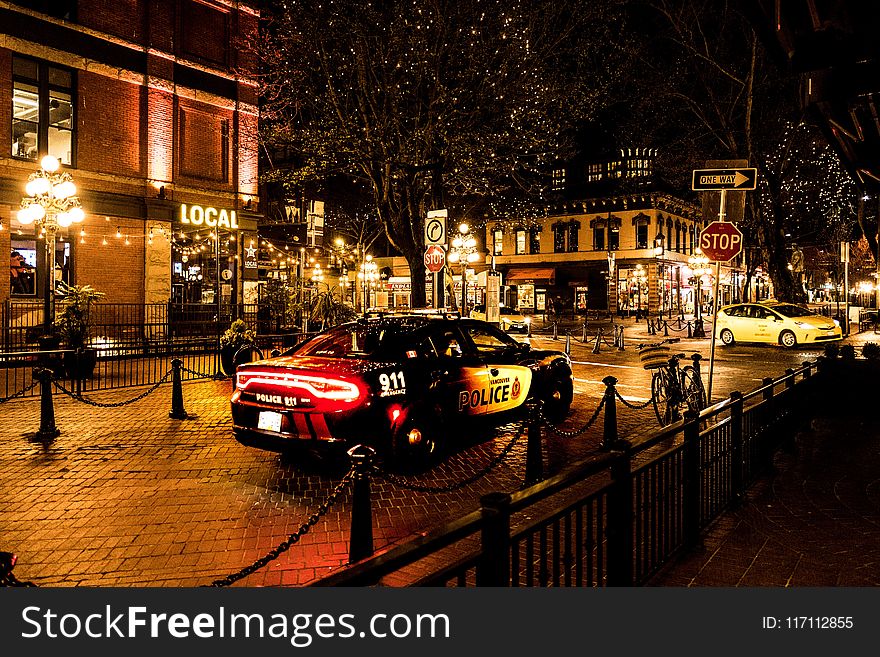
613	520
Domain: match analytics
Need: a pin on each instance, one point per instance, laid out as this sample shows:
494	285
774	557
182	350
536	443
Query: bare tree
428	102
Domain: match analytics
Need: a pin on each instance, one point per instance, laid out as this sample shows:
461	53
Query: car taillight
322	387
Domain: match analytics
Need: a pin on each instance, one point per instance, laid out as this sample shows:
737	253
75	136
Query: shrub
871	351
847	352
237	335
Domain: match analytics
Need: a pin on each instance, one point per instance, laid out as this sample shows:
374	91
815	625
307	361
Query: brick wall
115	269
122	18
109	126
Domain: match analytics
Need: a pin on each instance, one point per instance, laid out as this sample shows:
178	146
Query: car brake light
320	386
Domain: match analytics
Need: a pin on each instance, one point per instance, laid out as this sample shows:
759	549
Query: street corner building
148	106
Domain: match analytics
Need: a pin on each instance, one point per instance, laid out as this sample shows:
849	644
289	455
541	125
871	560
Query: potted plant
238	335
73	325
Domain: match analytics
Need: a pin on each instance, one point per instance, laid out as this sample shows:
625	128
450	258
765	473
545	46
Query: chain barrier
613	342
21	393
636	407
90	402
572	434
421	488
289	542
202	375
678	330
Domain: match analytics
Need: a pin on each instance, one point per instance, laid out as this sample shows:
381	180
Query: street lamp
659	251
51	203
641	276
700	266
464	250
368	275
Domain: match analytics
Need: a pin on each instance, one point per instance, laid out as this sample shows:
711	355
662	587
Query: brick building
148	105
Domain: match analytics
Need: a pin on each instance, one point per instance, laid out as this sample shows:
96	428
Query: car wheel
726	336
787	339
414	441
557	398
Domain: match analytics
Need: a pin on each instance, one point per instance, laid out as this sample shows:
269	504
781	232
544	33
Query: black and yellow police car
400	382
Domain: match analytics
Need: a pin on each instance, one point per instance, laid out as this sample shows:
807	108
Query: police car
400	382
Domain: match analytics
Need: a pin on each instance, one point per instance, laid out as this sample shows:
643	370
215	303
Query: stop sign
721	241
435	258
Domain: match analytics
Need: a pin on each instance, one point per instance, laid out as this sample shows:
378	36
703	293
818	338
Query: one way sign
710	180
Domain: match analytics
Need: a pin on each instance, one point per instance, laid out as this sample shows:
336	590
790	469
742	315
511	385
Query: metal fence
613	520
134	344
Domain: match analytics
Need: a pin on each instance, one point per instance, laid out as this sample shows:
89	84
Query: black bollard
665	328
584	333
690	333
534	453
699	330
620	346
609	433
48	431
556	330
597	346
178	412
361	536
568	343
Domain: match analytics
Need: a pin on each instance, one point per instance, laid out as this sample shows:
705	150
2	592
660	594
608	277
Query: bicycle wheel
660	397
692	387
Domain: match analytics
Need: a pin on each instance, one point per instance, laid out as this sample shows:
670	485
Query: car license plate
270	421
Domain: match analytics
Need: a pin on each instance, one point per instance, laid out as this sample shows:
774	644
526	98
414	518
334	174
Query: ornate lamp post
659	251
641	276
51	203
700	266
464	250
368	275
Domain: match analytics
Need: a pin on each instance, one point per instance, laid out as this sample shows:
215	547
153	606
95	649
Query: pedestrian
19	278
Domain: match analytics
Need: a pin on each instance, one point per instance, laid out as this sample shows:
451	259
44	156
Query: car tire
557	397
727	338
414	441
787	339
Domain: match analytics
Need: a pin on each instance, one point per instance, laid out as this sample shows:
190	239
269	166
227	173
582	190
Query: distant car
510	318
776	323
399	382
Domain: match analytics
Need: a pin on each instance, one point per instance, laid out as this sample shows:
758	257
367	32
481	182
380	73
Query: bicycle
674	389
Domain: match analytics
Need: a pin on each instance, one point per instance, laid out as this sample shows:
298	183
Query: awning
534	274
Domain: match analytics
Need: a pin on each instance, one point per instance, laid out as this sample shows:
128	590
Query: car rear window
359	340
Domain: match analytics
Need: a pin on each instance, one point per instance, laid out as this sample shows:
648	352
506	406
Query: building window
558	238
42	110
594	172
642	236
520	242
599	238
558	180
613	238
573	229
534	240
497	241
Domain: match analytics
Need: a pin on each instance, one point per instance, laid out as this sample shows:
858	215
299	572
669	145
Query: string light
118	233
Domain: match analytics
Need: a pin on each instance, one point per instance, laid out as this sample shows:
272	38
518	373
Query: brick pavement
129	497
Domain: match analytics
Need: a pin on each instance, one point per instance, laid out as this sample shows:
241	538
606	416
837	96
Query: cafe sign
199	215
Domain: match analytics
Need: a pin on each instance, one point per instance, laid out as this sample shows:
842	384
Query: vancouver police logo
514	393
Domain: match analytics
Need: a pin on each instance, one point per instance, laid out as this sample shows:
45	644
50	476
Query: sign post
721	241
435	235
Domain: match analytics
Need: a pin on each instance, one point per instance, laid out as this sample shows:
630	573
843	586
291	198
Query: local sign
435	258
721	241
707	180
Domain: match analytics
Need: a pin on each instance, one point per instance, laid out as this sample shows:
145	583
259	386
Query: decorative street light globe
464	250
51	203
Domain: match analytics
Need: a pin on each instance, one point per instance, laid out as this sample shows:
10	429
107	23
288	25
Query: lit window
42	111
558	180
534	240
497	241
520	242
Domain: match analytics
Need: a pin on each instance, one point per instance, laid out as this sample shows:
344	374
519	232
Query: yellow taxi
774	322
510	319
